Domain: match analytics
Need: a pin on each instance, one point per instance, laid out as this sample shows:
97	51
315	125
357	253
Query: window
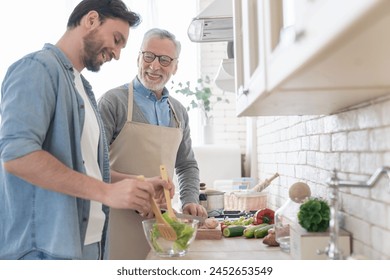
30	30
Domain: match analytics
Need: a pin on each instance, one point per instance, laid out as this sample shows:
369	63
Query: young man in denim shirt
53	149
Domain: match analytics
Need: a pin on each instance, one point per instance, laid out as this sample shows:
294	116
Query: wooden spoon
166	230
164	176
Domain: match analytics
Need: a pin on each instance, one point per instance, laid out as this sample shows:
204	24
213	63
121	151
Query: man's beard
92	49
149	84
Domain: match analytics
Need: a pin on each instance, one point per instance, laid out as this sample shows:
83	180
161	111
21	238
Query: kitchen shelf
338	58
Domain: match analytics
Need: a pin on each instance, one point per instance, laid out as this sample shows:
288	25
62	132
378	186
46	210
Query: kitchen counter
234	248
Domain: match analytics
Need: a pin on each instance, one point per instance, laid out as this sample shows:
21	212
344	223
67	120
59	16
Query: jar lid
299	191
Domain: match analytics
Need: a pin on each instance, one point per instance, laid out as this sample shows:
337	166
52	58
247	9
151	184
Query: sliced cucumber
232	231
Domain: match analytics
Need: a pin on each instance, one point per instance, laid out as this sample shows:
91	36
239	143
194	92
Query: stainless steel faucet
332	250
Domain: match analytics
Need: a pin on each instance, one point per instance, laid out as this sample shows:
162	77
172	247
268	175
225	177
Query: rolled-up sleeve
27	104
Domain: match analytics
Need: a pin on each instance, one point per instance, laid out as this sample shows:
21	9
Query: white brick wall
355	142
308	148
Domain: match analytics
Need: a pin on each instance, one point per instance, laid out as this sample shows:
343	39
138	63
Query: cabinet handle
242	91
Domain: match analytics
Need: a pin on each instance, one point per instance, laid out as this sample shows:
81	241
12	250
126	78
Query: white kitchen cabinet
248	53
321	56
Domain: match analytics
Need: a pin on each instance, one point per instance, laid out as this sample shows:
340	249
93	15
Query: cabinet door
305	36
295	31
310	57
248	53
323	56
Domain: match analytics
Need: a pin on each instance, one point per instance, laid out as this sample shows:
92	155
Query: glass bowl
185	230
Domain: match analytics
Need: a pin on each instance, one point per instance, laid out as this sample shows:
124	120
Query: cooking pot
215	202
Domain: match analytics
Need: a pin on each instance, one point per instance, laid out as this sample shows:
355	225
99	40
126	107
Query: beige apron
139	149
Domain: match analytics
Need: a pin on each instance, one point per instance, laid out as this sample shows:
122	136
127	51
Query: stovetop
234	215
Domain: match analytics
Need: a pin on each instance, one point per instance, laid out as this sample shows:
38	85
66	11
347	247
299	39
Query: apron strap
178	123
130	103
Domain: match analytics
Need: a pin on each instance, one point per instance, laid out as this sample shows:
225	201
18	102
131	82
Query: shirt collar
60	55
66	62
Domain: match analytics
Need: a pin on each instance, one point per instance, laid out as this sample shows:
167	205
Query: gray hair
162	34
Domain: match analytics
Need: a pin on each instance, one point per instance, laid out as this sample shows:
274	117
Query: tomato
223	225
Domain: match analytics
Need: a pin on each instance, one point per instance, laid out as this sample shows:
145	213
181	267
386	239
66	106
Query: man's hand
159	185
130	194
195	210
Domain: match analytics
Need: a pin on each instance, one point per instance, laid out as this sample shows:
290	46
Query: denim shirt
42	110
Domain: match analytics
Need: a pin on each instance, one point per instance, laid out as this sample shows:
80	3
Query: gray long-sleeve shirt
113	108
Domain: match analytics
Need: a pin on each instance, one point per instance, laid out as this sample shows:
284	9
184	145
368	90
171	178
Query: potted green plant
201	96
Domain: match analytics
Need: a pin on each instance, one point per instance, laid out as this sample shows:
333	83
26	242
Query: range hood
213	24
225	76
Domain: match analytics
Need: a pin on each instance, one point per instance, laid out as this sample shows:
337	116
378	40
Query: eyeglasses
164	60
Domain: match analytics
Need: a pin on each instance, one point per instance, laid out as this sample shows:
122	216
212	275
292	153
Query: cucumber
232	231
262	232
249	232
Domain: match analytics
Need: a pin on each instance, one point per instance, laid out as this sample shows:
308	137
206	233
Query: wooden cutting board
205	233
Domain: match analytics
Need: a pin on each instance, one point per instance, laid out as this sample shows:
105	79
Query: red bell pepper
264	216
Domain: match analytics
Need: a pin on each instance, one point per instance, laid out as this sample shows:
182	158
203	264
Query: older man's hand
195	210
